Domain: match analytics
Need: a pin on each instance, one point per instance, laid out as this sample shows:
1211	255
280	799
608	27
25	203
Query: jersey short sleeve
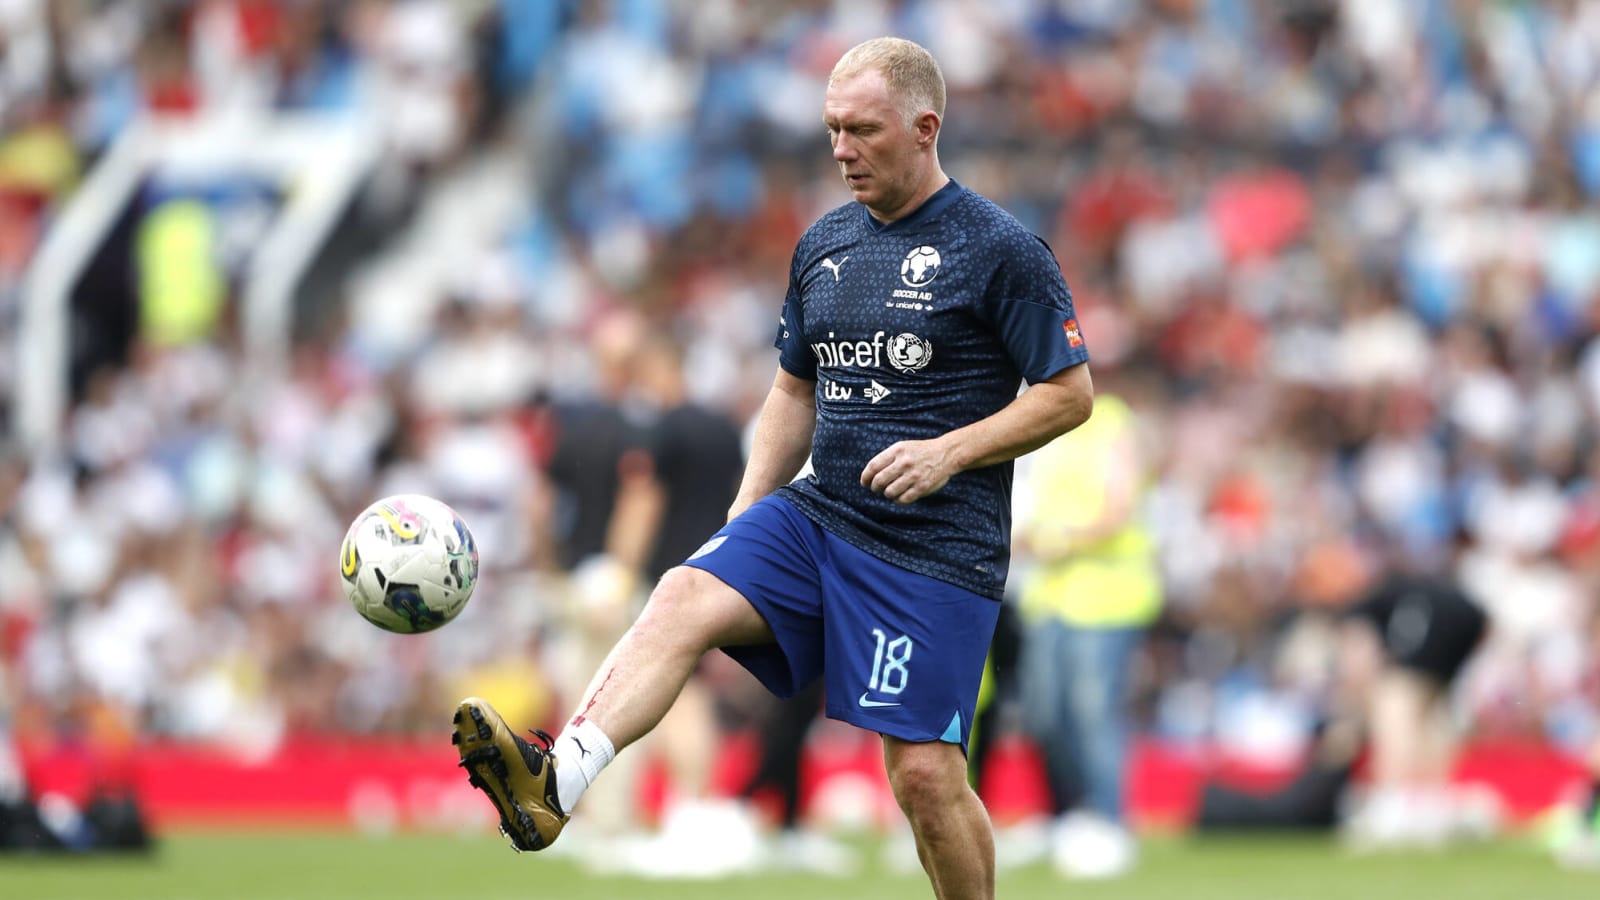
794	355
1030	308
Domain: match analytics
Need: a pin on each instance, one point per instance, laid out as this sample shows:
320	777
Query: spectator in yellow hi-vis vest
1089	588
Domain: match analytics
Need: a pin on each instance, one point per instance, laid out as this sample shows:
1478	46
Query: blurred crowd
1342	259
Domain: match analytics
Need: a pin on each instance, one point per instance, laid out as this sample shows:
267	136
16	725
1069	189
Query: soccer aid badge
920	267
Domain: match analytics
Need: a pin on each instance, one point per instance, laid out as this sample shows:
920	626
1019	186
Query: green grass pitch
332	865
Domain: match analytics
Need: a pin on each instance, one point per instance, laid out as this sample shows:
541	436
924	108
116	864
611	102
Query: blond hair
912	74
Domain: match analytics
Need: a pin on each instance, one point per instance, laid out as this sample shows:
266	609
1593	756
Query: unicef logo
920	267
908	352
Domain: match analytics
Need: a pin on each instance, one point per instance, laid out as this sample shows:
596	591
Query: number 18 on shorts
904	651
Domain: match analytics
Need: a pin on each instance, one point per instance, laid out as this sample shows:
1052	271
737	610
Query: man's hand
907	471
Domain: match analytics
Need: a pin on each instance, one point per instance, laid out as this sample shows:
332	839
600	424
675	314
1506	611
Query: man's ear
927	126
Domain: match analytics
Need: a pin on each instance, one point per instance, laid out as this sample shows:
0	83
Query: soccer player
914	314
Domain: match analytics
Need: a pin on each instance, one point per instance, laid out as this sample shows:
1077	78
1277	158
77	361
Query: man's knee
926	777
702	611
675	592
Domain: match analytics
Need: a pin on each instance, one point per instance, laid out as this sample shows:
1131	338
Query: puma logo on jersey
834	267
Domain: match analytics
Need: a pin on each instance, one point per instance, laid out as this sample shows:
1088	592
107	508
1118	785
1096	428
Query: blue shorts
904	652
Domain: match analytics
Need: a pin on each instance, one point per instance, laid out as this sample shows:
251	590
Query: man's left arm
907	471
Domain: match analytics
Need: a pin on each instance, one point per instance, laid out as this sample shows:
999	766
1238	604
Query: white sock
581	752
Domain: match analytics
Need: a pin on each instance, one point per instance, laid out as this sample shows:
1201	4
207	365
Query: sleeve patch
1074	337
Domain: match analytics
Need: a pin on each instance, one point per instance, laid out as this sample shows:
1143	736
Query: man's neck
931	185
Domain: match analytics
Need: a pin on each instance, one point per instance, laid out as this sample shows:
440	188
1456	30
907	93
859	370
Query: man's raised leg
534	786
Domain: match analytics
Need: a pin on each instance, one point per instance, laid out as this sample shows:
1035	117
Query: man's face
876	150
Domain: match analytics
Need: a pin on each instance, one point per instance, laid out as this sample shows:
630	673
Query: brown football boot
518	777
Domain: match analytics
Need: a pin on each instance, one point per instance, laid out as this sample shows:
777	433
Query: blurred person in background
606	519
1395	638
695	455
1403	646
1090	590
911	421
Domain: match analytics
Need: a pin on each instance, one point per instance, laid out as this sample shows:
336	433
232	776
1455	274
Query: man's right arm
782	440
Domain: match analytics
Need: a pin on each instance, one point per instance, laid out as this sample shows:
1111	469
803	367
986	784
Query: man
1403	647
913	316
1092	590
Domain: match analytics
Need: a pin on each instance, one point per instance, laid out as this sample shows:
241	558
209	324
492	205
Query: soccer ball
408	563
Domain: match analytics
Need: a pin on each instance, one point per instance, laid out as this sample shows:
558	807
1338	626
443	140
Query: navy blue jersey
911	330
